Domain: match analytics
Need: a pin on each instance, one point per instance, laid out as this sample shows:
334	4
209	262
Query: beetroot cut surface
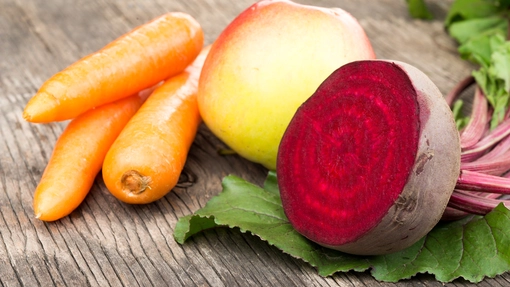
349	151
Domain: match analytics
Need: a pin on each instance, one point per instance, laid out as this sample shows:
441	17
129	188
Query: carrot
78	156
145	161
137	60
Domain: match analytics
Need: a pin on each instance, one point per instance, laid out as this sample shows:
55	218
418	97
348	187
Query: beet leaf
419	10
481	29
259	211
472	248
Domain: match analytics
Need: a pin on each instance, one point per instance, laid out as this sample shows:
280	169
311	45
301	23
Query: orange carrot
78	156
137	60
145	161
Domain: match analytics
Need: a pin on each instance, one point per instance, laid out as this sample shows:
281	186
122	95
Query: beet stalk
484	179
474	204
487	142
478	122
481	182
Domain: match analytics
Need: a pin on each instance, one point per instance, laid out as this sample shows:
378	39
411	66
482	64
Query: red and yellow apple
265	64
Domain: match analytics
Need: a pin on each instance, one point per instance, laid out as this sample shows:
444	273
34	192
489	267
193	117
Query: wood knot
186	179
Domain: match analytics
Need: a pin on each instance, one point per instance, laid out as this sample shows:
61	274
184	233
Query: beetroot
369	162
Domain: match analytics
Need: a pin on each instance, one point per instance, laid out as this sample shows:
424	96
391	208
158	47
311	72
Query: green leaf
472	248
481	28
492	52
501	64
478	49
495	93
462	10
462	31
190	225
418	9
271	184
460	120
251	208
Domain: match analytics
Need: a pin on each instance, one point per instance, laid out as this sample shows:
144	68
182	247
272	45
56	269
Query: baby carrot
137	60
78	156
145	161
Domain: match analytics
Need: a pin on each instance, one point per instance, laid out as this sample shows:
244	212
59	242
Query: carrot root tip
27	117
42	108
135	183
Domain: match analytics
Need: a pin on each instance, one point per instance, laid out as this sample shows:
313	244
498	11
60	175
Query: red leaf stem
476	126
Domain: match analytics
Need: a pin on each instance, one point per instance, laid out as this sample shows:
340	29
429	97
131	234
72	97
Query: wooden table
105	242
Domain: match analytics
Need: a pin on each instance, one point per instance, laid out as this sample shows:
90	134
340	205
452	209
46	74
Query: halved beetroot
368	163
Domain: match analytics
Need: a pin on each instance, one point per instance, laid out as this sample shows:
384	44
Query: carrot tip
26	116
134	183
41	108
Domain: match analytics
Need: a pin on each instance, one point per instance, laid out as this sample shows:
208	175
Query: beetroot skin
368	163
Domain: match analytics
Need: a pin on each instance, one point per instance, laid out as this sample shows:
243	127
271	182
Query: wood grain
108	243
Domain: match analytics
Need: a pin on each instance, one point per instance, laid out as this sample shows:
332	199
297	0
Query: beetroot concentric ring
350	151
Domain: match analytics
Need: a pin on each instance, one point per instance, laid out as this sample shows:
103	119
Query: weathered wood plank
105	242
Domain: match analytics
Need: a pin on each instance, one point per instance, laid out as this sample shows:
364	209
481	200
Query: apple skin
265	64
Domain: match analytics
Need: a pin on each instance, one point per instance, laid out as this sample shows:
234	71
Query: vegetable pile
369	164
449	250
101	93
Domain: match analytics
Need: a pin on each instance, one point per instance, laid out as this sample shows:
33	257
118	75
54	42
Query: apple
265	64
